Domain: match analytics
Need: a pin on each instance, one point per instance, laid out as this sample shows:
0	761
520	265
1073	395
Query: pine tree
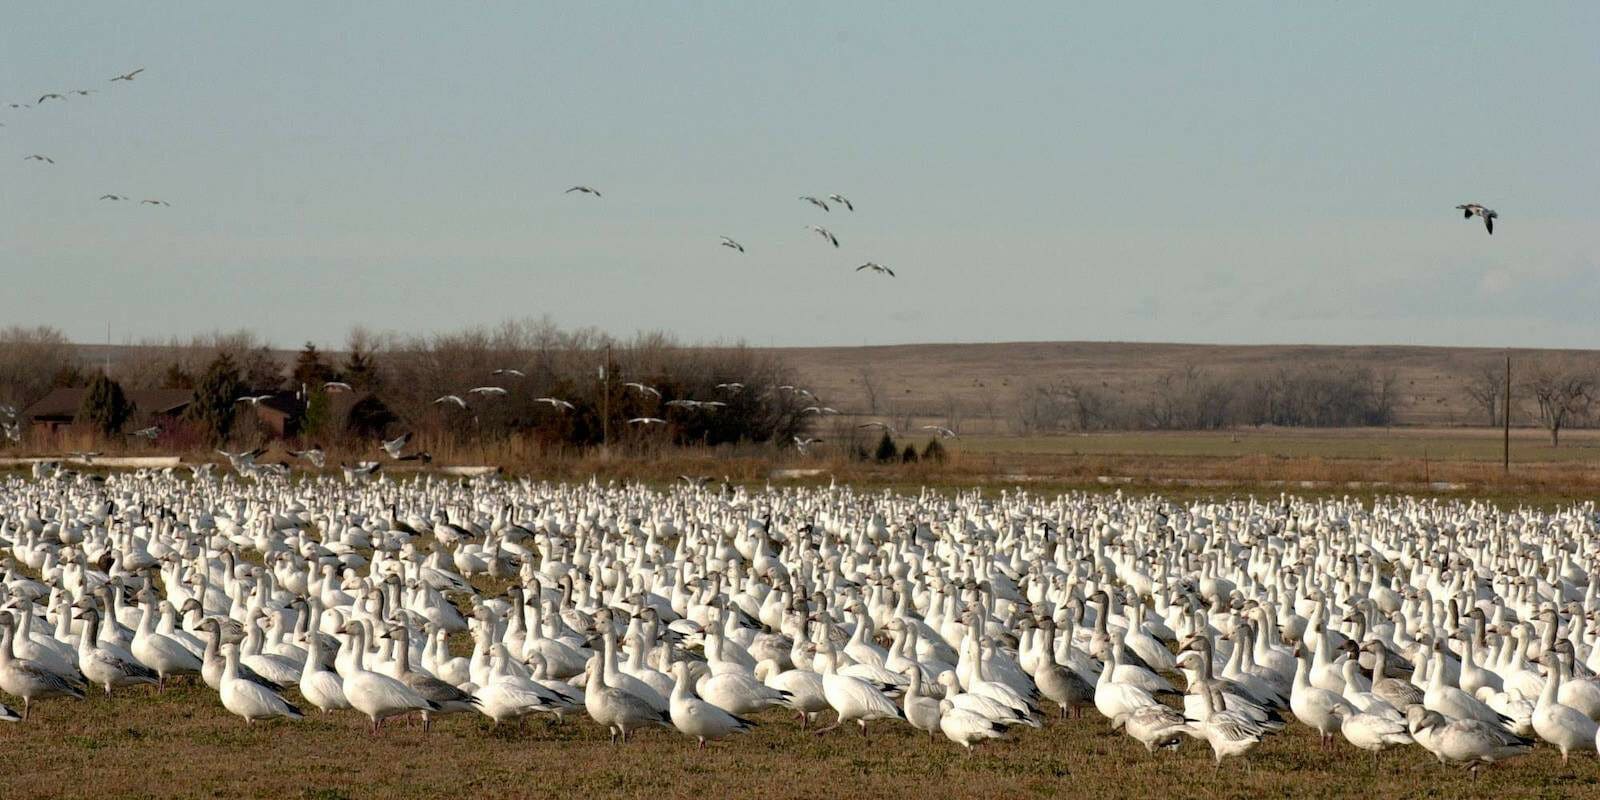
309	369
262	371
105	408
910	455
361	371
887	452
933	452
176	377
215	398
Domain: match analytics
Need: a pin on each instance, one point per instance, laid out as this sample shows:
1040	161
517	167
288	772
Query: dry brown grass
184	744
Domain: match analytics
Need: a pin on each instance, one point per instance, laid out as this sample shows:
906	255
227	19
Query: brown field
184	744
920	378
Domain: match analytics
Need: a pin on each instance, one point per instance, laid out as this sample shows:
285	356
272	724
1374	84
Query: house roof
61	403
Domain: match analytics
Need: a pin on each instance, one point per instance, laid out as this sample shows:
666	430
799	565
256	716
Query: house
281	415
57	410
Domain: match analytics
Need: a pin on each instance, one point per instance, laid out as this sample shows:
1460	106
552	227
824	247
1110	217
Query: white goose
618	710
249	699
375	695
1561	725
698	718
852	698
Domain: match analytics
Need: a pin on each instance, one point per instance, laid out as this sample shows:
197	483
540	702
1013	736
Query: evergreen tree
105	408
176	377
310	370
215	398
933	452
262	372
361	371
887	452
910	454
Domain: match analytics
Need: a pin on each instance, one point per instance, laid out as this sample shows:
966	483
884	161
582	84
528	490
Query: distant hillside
981	381
922	378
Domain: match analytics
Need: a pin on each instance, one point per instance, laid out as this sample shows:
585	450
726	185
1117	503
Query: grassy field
183	744
1528	446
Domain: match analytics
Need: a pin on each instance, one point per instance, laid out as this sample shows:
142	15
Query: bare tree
1485	385
30	359
1562	390
871	388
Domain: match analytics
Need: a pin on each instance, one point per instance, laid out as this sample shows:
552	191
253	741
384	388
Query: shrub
933	452
910	455
887	452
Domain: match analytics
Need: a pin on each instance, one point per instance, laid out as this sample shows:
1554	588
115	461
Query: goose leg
836	723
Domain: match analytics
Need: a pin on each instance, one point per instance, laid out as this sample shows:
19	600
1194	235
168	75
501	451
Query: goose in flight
584	189
883	426
84	92
50	96
128	76
154	203
86	456
823	410
37	157
13	431
315	455
337	386
451	398
643	389
944	433
840	199
394	447
876	267
512	372
726	242
254	399
734	387
555	403
647	421
147	433
18	105
113	197
814	201
1470	210
488	391
826	234
362	469
804	445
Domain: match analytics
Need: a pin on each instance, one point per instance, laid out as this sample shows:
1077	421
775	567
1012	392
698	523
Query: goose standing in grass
698	718
1313	706
621	712
376	695
444	698
319	685
1561	725
966	728
1372	732
1464	741
1154	726
25	678
104	667
249	699
853	699
1228	733
165	655
806	694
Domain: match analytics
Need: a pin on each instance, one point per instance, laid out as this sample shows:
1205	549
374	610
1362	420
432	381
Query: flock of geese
817	202
64	96
1456	627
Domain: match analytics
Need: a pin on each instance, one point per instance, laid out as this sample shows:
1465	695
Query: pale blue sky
1259	172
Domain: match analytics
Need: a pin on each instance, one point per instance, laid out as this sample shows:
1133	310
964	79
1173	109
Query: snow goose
1450	701
852	698
249	699
618	710
1061	685
101	665
1398	693
375	695
1464	741
806	695
319	685
28	679
211	659
1154	726
505	696
966	727
1228	733
446	699
922	711
1561	725
1113	698
164	654
1372	732
698	718
984	705
1313	706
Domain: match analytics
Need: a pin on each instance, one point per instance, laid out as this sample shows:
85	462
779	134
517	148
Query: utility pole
605	404
1505	453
